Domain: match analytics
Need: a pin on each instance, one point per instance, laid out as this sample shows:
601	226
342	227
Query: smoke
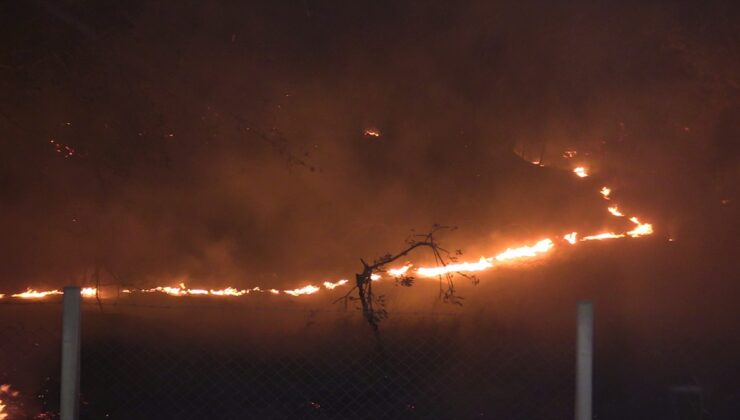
224	143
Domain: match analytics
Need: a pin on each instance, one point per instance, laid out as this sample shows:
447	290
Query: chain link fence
227	363
223	360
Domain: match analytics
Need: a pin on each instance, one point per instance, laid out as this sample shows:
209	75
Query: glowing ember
570	154
605	192
580	172
372	132
375	277
398	272
6	392
525	251
571	238
642	229
306	290
602	236
34	294
331	286
614	210
62	149
88	292
275	291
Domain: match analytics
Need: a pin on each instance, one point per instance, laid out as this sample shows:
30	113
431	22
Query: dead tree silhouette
373	306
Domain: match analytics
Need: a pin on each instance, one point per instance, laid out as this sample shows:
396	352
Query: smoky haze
223	142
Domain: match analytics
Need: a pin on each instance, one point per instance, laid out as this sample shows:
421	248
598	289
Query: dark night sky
223	141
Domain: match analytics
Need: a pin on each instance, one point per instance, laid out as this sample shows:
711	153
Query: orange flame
571	237
509	255
5	389
482	264
526	251
372	132
35	294
398	272
305	290
331	286
642	229
614	210
229	291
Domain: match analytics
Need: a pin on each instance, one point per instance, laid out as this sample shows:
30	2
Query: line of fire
369	209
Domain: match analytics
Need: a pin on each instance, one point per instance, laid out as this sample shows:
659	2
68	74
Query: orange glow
34	294
526	251
331	286
571	238
482	264
397	272
229	291
372	132
306	290
602	236
6	390
614	210
642	229
510	255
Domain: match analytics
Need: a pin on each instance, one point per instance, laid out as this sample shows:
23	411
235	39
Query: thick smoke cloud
223	142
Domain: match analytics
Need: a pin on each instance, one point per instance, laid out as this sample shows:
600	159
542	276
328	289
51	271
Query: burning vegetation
447	265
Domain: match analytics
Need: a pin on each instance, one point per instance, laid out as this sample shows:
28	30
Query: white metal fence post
70	382
584	360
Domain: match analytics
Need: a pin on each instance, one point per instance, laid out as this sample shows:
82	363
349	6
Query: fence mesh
204	363
223	361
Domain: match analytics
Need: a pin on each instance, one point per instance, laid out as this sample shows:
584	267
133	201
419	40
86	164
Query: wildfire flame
605	191
525	251
580	172
331	286
571	237
482	264
510	255
6	390
614	210
35	294
372	132
398	272
306	290
642	229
